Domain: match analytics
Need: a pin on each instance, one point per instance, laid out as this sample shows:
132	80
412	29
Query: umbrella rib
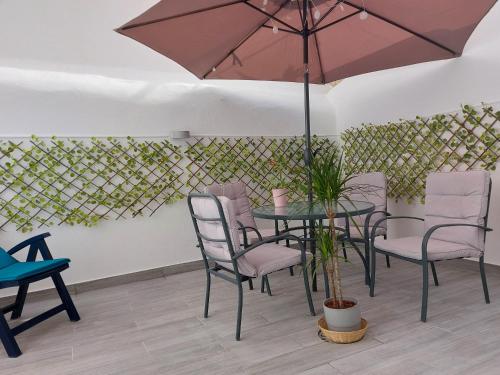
280	29
314	31
408	30
327	13
317	45
162	19
302	19
271	16
248	37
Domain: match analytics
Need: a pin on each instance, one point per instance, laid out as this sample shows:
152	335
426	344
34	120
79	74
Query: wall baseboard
166	271
113	281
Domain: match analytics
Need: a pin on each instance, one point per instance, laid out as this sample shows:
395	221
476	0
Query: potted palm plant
330	185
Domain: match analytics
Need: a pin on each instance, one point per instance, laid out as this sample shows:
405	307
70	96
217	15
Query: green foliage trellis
55	181
257	161
407	151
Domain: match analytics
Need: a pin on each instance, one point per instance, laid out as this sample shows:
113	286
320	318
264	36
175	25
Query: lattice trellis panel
408	150
55	181
263	163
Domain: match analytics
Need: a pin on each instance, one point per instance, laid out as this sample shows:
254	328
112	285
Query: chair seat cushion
411	247
22	270
272	257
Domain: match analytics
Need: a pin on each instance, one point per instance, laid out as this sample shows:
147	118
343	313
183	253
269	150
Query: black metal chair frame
7	335
218	270
346	236
424	262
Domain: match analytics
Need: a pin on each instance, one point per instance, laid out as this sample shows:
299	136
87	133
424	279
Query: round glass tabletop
304	211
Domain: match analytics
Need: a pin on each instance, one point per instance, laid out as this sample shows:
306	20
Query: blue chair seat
14	273
20	270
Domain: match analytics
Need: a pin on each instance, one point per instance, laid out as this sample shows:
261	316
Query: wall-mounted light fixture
180	134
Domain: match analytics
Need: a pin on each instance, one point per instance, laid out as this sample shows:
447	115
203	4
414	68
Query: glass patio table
306	212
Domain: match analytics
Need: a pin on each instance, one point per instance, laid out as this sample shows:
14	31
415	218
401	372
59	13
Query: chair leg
7	338
434	274
308	291
262	284
364	260
483	280
240	310
288	245
207	295
65	297
425	290
387	261
20	299
268	287
373	263
250	284
344	251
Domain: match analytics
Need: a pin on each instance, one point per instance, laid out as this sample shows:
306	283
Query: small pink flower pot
280	197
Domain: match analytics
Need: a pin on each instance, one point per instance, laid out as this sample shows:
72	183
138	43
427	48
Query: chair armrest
272	239
28	242
431	230
244	230
378	222
366	234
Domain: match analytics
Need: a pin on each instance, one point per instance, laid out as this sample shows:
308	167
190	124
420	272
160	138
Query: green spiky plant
330	178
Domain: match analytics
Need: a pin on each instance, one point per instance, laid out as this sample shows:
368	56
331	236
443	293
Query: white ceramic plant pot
280	197
343	320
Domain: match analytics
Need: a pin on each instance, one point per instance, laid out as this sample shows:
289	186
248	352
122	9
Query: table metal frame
310	239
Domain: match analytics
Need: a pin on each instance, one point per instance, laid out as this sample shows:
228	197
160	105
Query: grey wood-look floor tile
156	327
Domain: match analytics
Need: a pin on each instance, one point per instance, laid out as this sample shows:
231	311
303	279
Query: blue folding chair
14	273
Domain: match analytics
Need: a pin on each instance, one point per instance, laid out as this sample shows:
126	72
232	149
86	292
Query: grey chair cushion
262	260
207	208
411	247
369	187
272	257
457	197
236	192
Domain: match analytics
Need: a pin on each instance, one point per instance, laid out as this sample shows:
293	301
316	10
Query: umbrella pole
307	149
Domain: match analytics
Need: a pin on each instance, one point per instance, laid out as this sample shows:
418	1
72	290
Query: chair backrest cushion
370	187
206	207
6	259
457	197
236	192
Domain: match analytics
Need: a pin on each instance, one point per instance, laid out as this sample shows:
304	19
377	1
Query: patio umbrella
309	41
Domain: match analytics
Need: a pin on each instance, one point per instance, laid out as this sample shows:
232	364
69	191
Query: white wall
427	89
65	72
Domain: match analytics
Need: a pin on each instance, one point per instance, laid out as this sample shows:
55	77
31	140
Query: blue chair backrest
6	259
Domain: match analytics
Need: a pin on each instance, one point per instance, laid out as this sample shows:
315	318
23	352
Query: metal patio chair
217	231
237	193
20	274
370	187
456	217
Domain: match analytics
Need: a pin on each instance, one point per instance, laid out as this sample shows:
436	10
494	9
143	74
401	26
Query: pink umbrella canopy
310	41
264	39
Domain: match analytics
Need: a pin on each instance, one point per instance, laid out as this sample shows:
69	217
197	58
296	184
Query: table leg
276	229
313	252
365	262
